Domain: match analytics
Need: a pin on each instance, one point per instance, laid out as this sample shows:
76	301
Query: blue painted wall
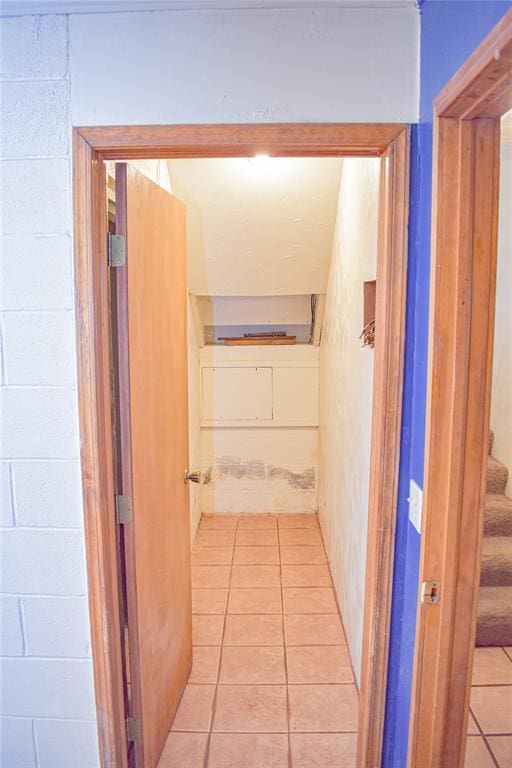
450	31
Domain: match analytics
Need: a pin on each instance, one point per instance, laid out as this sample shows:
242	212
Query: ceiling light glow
259	161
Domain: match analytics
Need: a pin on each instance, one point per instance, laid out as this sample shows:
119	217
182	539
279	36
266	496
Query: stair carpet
494	625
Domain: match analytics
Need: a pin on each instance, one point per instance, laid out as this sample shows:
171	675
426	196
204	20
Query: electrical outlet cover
415	505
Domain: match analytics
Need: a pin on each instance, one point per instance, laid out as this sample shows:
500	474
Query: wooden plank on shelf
264	341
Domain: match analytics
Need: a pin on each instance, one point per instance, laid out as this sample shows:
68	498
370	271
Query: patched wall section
266	460
272	471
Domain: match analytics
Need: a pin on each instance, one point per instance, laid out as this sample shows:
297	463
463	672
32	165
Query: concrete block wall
46	698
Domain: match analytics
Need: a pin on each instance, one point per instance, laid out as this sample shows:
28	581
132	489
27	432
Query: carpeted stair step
494	625
496	562
498	515
497	476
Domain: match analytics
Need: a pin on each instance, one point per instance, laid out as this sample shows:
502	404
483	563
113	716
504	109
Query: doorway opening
490	720
254	384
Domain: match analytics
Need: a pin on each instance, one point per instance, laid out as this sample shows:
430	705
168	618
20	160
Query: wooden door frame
465	221
91	146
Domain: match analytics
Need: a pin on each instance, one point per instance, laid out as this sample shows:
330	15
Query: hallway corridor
272	684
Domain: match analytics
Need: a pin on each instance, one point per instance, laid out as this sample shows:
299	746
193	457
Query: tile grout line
214	702
273	733
340	615
483	736
208	755
284	646
488	747
263	685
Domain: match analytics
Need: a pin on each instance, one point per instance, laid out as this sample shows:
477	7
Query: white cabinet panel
295	395
236	394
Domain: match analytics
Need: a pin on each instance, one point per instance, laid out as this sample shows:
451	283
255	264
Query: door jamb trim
91	146
464	238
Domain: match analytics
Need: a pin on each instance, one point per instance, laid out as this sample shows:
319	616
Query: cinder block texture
36	197
42	562
34	47
65	743
48	262
39	348
48	493
6	508
46	679
16	743
39	423
56	626
11	636
47	131
47	688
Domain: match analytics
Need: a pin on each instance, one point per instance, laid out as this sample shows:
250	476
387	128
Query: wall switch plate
415	505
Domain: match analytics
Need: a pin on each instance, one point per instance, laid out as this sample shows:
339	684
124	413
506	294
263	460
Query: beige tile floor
489	743
271	684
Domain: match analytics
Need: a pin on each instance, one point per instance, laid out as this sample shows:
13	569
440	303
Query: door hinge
132	729
431	592
116	250
123	509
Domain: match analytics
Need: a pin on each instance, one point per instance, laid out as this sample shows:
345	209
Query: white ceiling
18	7
258	230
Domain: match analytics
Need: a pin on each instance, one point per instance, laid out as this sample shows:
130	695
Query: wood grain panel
482	86
241	140
295	140
158	552
385	445
465	226
93	350
465	218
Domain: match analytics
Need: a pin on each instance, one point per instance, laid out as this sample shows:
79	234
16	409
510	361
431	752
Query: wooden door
149	314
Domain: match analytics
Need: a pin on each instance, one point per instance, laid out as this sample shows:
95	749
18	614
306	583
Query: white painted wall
194	423
501	398
346	378
347	65
255	310
327	64
156	170
263	466
258	227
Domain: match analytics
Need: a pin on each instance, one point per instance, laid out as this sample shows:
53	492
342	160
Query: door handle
194	477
